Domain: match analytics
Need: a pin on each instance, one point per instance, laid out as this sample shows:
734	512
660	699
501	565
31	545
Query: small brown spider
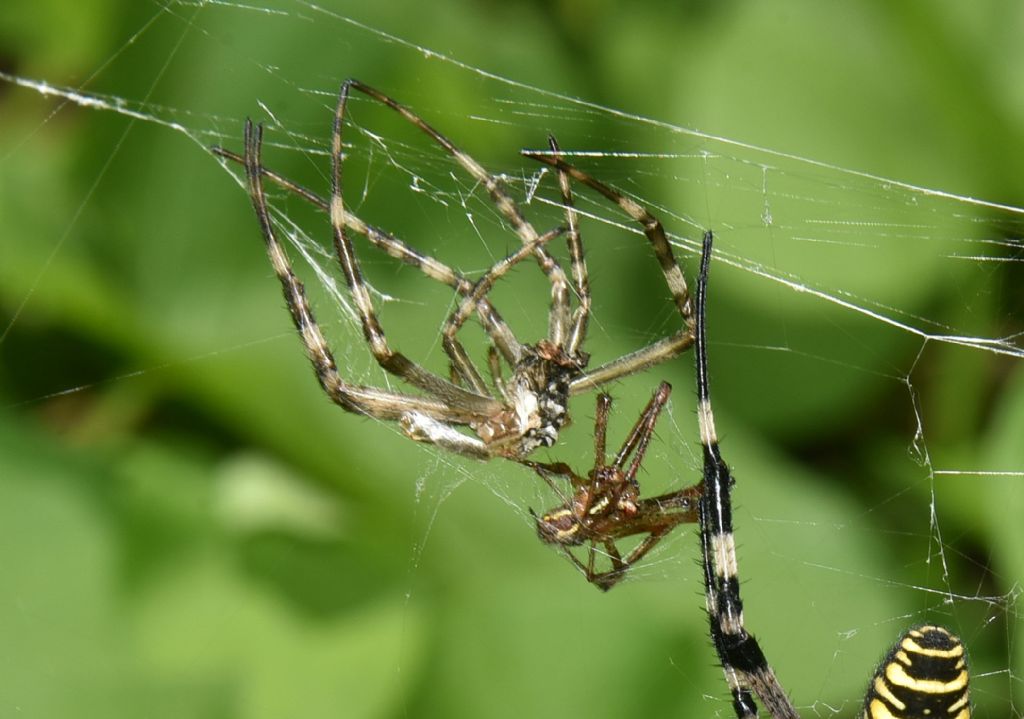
605	506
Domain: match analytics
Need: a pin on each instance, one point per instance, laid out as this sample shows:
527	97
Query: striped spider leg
510	417
606	506
661	350
499	332
449	404
746	669
925	674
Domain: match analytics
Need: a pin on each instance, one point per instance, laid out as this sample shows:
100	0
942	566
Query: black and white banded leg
924	676
746	669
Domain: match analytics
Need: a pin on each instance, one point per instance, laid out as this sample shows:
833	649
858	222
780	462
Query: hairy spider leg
660	350
924	675
578	264
394	362
497	329
354	398
425	419
495	424
746	669
509	209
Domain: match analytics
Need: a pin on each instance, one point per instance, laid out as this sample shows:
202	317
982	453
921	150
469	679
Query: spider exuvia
509	417
925	674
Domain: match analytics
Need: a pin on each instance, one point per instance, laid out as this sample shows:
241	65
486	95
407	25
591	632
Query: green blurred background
188	529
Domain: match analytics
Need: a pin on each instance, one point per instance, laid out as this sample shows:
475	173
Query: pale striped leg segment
497	329
747	671
661	350
354	398
509	209
925	674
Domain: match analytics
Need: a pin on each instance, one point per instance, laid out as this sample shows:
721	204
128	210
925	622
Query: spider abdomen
923	676
561	526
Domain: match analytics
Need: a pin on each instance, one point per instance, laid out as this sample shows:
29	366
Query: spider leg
468	303
616	575
604	407
634	362
578	264
746	669
508	208
605	506
685	499
392	361
607	579
588	568
652	227
494	365
354	398
499	332
640	436
656	516
547	470
654	231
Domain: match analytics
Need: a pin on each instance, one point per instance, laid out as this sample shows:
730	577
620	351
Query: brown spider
508	417
605	506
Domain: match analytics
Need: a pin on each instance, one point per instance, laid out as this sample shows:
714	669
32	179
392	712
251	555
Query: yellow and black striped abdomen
923	677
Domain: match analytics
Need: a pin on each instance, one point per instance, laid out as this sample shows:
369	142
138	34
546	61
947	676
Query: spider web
242	546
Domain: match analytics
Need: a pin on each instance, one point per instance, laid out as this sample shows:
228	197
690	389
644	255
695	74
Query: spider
606	506
924	675
510	417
